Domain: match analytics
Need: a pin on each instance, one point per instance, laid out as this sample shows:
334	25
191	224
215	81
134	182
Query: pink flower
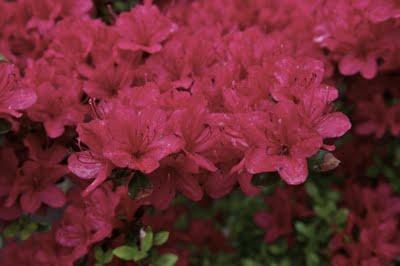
374	117
144	28
46	157
284	206
9	166
107	79
198	136
95	215
13	96
352	64
36	185
286	143
138	139
91	164
57	108
170	178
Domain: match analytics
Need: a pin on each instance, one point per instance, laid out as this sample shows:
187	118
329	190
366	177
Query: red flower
36	185
91	164
198	136
13	96
286	143
95	215
284	205
46	157
8	164
107	79
144	28
171	177
374	117
57	108
139	140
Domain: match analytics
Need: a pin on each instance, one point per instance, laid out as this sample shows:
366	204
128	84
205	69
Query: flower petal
84	165
30	201
293	171
53	196
333	125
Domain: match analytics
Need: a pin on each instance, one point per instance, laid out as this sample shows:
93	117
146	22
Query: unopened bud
329	162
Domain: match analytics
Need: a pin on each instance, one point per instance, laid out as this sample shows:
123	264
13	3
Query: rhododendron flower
96	214
284	144
13	96
57	108
9	166
36	185
374	116
144	28
91	164
137	139
374	215
284	205
171	177
44	156
107	79
198	136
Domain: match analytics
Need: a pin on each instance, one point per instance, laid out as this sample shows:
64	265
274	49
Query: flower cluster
371	234
106	114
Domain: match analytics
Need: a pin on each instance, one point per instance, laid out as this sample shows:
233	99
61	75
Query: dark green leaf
147	241
160	238
138	182
166	259
125	252
5	126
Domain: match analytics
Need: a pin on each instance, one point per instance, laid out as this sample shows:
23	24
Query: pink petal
257	161
119	158
54	128
350	65
262	219
30	201
369	68
307	147
163	191
219	184
70	236
247	187
292	170
21	99
145	164
164	146
202	161
84	165
333	125
102	175
189	186
53	196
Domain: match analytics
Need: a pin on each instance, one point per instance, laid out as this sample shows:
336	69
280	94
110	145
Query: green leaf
249	262
305	230
161	237
11	230
24	234
125	252
138	182
3	58
312	190
341	216
5	126
147	241
166	259
108	256
99	254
